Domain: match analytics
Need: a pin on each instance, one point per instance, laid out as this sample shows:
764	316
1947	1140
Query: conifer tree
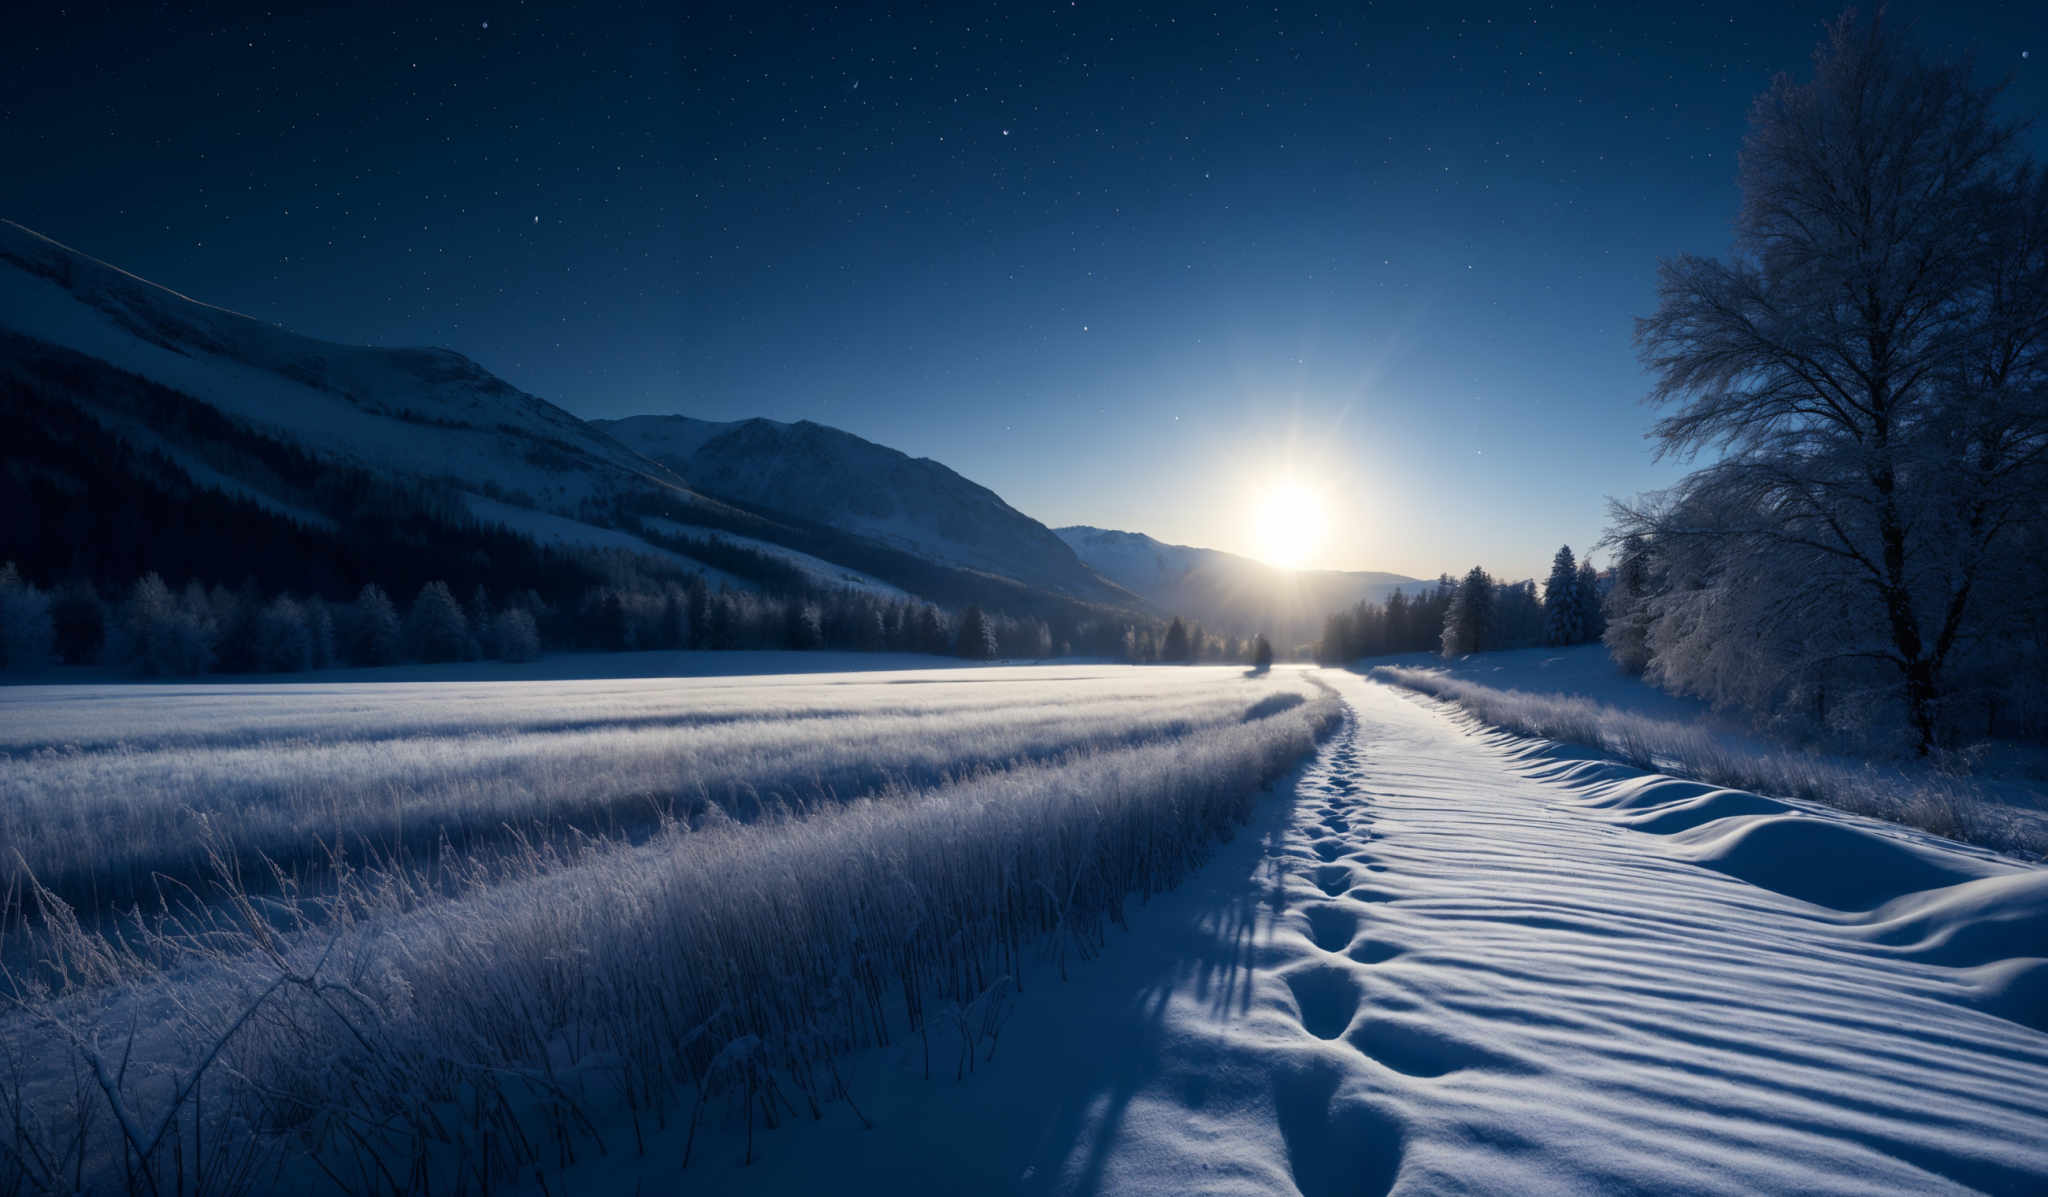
977	639
1468	621
1591	621
1562	607
374	633
1175	649
435	628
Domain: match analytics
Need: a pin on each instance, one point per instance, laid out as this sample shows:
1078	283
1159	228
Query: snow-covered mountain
835	478
1226	592
129	412
422	413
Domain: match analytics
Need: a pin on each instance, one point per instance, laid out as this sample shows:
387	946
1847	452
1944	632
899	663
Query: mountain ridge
817	472
201	398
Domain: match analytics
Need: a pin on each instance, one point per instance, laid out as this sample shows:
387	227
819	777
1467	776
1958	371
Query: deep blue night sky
1124	266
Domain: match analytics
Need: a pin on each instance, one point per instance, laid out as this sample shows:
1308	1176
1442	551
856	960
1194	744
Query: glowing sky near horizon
1132	267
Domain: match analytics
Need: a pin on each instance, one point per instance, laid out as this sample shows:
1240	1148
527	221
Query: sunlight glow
1287	524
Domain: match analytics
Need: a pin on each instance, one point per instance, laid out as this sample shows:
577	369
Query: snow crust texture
1458	961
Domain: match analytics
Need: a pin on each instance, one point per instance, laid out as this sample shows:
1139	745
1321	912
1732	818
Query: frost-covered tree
163	634
802	627
1262	653
27	636
1175	649
1517	615
977	636
435	628
1626	608
234	616
514	636
284	641
1561	608
1869	369
1468	620
1592	621
373	631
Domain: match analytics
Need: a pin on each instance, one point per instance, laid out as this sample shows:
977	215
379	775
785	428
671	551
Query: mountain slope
835	478
1225	592
424	413
143	430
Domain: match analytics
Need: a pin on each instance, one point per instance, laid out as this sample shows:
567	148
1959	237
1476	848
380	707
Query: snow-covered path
1434	972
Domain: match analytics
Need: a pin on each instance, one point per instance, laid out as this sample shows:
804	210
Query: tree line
1184	643
1476	613
154	629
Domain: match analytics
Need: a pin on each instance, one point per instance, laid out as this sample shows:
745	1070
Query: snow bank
1944	805
1922	897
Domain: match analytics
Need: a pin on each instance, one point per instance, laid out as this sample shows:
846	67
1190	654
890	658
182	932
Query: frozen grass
400	1032
1941	805
106	791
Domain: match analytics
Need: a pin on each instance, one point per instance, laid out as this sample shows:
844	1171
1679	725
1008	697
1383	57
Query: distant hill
1225	592
835	478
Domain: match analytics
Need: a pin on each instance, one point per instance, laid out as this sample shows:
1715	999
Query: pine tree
26	631
1176	647
1562	607
515	636
1591	620
435	628
374	634
1468	621
1262	653
162	634
284	643
977	638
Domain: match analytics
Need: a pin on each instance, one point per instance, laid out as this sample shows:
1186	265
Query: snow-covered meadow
1059	929
436	933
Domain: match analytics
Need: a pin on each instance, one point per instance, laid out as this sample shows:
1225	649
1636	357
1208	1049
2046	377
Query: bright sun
1288	524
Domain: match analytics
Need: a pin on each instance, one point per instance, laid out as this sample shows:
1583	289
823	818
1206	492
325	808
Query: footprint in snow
1330	849
1331	928
1374	951
1327	996
1333	879
1419	1050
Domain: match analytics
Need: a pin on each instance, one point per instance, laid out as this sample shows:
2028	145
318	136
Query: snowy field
574	903
972	931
